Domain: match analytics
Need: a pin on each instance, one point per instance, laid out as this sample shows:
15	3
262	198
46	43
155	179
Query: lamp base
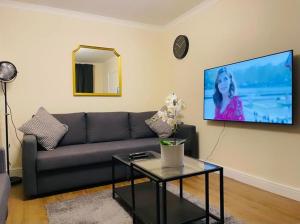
15	180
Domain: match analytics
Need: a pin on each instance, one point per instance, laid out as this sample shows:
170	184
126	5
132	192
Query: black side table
151	202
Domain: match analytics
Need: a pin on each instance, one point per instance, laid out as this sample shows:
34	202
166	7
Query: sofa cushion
88	154
160	127
48	130
4	193
107	126
77	128
138	127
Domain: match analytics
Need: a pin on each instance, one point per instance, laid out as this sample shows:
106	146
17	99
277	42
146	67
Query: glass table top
152	165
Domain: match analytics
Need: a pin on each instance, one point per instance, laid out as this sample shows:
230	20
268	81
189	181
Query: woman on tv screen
255	90
228	106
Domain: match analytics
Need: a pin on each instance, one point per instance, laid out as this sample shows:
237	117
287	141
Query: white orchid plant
172	116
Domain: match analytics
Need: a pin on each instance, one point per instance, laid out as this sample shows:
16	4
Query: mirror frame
74	71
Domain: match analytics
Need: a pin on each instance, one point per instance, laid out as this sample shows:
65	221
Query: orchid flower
172	114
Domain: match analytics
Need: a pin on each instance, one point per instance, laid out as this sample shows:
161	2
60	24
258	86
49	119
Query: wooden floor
246	203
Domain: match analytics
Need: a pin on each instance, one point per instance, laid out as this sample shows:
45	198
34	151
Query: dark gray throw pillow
47	129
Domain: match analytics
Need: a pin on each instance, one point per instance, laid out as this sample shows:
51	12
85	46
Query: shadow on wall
295	128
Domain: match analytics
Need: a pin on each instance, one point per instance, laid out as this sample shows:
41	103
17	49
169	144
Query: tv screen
256	90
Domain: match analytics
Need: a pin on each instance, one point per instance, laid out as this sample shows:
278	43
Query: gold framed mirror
96	71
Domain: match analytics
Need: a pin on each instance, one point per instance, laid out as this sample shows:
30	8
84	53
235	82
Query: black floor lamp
8	73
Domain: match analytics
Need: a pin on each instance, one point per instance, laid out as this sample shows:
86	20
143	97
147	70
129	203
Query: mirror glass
96	71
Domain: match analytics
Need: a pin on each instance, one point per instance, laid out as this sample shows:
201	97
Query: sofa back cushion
138	127
77	128
107	126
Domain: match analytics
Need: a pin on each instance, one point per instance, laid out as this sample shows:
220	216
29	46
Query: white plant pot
172	155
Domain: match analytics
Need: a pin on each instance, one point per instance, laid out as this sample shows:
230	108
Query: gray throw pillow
161	128
47	129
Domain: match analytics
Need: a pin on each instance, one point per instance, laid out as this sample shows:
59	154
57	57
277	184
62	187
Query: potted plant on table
172	149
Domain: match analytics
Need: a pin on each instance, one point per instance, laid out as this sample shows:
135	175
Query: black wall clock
180	46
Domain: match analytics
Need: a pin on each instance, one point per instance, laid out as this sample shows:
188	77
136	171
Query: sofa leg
6	214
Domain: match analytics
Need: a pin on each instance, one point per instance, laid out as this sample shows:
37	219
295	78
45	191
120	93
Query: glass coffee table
151	202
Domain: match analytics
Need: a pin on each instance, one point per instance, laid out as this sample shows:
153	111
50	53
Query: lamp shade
8	72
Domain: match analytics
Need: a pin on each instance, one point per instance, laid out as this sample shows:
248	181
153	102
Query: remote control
138	155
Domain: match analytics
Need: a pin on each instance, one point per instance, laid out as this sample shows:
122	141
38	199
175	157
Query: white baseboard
264	184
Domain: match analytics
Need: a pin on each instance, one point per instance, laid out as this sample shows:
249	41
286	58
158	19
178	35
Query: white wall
99	82
230	31
111	75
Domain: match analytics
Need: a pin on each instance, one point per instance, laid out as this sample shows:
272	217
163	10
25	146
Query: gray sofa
4	188
83	156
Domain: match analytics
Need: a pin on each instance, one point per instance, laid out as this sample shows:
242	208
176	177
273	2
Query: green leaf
165	142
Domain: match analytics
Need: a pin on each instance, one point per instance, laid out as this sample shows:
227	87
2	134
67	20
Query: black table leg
207	197
221	196
132	194
181	190
113	177
164	202
157	203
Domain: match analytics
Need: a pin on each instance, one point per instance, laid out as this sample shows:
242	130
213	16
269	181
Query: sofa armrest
2	161
29	158
188	132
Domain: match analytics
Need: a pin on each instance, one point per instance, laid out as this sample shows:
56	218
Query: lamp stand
13	180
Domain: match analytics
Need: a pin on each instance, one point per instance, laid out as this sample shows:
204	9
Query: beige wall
40	44
226	32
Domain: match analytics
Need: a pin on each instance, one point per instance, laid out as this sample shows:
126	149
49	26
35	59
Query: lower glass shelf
179	210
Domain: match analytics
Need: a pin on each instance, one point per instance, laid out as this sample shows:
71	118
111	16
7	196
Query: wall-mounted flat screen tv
257	90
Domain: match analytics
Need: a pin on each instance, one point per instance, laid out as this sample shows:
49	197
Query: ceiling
85	55
155	12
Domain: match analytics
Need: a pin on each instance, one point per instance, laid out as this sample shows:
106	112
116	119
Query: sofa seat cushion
4	193
107	126
87	154
77	128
